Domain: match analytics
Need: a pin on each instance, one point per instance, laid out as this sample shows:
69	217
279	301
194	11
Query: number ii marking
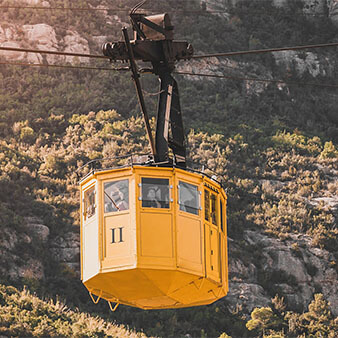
113	235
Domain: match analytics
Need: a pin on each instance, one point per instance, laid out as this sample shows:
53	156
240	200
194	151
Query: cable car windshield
116	196
155	193
188	198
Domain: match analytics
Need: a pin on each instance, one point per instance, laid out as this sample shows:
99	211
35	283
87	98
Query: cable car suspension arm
154	42
136	78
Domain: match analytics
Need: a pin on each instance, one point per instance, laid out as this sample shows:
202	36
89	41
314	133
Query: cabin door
155	238
189	226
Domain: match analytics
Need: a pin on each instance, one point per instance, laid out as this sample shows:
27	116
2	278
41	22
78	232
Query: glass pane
207	205
155	193
214	209
89	203
221	212
116	196
188	198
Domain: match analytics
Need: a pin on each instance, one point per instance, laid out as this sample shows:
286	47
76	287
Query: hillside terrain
272	143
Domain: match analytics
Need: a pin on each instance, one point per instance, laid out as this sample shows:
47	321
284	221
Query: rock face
220	8
292	267
74	43
41	36
209	66
227	67
307	62
36	229
16	247
66	249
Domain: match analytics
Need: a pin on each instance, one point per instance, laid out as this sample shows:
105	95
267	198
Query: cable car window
89	203
214	209
188	198
207	204
116	196
221	212
155	193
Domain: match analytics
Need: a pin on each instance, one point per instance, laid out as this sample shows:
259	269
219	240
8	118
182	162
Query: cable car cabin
153	237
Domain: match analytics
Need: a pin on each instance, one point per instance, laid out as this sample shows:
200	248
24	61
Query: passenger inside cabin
155	193
151	200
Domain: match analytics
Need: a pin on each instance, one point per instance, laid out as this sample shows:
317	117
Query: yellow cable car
154	236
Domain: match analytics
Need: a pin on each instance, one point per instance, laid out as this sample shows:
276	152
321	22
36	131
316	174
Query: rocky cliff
293	266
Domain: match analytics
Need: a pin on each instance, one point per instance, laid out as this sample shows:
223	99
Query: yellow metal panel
156	237
114	173
168	281
198	290
189	243
156	246
118	234
161	302
127	285
212	257
215	253
189	229
117	241
140	287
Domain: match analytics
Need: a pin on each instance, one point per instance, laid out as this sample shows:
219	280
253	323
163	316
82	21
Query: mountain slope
273	144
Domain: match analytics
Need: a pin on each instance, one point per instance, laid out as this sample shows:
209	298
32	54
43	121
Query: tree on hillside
262	319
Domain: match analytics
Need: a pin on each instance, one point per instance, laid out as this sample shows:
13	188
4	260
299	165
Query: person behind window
151	200
121	203
118	200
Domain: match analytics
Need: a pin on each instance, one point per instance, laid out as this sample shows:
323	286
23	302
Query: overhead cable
178	73
62	66
260	51
25	50
226	54
83	9
256	79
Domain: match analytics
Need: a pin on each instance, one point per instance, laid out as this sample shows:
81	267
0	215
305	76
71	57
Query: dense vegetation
275	152
23	314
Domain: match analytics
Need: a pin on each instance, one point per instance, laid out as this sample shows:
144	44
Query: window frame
206	202
198	198
208	214
167	206
117	180
214	198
